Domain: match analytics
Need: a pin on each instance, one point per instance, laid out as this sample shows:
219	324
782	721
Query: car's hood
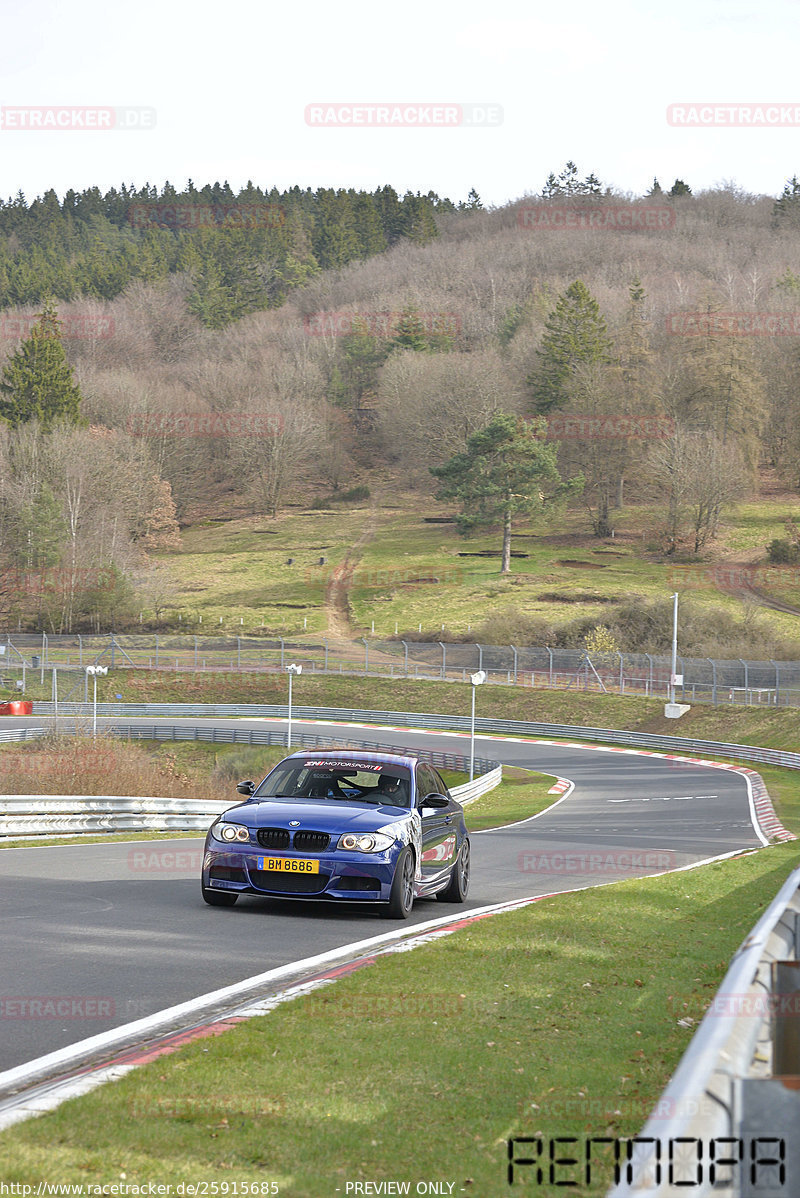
333	815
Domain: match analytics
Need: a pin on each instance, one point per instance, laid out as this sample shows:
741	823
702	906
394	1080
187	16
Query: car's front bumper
353	877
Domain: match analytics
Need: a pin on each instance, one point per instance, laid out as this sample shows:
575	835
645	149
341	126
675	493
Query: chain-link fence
698	680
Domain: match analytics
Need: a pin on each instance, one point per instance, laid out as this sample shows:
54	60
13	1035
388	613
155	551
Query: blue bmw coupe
343	825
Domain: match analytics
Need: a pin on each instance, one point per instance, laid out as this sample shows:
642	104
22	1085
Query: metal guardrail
438	722
9	734
766	817
33	816
29	817
735	1096
445	723
263	736
470	791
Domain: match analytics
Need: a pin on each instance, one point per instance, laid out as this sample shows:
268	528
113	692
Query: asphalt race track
120	930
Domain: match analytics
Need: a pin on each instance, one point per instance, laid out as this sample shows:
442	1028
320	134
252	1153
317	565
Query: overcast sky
234	88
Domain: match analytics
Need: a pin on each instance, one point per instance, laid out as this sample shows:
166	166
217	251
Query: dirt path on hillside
751	594
343	637
337	592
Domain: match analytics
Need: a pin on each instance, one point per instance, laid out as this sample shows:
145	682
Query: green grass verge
558	1020
521	794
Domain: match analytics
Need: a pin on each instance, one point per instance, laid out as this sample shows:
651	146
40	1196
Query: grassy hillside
382	566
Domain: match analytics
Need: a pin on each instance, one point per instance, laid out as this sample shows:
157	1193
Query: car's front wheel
458	886
401	897
218	898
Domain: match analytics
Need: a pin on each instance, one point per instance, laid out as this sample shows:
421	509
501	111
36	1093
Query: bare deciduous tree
698	476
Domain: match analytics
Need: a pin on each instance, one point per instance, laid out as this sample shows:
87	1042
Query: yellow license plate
289	865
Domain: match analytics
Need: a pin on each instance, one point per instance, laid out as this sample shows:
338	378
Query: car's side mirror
435	800
245	788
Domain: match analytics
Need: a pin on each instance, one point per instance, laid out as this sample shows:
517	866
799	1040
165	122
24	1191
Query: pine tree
411	333
506	470
356	376
575	338
423	228
211	300
38	383
368	225
787	207
568	184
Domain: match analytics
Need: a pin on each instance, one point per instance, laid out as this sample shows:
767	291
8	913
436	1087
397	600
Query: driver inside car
392	790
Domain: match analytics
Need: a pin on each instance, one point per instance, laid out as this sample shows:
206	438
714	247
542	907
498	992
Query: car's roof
348	755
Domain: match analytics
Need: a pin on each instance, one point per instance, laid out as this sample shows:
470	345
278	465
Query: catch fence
698	680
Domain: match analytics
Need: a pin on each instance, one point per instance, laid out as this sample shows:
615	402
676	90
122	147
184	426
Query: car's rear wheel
458	886
401	897
218	898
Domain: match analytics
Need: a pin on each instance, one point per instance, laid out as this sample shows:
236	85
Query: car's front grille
280	882
273	838
311	842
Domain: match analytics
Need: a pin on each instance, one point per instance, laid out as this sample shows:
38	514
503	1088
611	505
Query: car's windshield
320	778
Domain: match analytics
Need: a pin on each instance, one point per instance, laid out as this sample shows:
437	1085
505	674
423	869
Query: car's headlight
368	842
224	831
